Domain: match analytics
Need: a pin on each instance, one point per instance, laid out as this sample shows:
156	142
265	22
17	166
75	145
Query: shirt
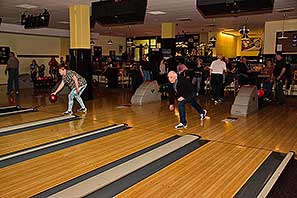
218	67
67	79
12	63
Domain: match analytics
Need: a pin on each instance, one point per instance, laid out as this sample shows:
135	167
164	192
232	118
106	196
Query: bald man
185	93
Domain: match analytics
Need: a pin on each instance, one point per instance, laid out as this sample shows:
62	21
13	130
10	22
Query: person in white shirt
217	69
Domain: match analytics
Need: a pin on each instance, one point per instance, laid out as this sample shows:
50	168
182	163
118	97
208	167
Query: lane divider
26	154
36	124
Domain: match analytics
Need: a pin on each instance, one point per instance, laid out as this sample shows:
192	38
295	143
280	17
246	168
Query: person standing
217	69
77	85
13	74
33	70
279	77
146	68
185	93
198	72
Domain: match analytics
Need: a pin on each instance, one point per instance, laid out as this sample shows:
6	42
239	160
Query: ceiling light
64	22
245	37
157	13
26	6
213	39
282	37
283	31
109	42
129	41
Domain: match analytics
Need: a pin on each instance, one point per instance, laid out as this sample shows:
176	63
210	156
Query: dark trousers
182	108
217	86
13	79
279	93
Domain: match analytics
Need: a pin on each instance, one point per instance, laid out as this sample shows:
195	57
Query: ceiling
174	9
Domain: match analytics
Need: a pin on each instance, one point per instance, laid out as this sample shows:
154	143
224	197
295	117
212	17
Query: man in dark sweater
184	91
279	77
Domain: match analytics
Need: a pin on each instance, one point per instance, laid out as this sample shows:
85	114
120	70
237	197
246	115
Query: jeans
182	109
13	79
268	87
147	75
75	95
198	81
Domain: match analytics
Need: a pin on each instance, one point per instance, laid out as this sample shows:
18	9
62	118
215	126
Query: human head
11	54
244	59
172	76
62	70
219	57
268	62
34	62
279	56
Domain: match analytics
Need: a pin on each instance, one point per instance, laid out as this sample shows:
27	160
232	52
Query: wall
47	45
29	45
271	28
226	45
116	42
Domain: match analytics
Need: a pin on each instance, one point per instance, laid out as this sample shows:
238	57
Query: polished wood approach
217	169
214	170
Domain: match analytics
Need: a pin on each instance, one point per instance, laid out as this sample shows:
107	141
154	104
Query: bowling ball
260	93
38	78
18	107
11	99
53	98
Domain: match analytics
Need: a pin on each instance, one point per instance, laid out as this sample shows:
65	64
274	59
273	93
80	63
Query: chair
232	87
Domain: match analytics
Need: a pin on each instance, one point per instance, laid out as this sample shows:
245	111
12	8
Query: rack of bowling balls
45	82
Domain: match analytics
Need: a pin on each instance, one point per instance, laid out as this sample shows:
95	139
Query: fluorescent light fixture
129	41
157	13
27	6
64	22
282	37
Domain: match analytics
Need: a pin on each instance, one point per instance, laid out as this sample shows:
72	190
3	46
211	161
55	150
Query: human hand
171	107
180	99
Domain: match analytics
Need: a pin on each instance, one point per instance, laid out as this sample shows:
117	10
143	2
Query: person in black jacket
185	93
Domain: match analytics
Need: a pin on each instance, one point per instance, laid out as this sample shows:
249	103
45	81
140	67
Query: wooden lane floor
27	139
38	174
214	170
24	117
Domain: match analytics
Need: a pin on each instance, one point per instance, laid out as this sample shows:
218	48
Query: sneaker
67	113
180	126
84	110
203	115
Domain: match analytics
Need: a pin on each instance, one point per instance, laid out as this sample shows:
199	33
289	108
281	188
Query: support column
80	49
168	37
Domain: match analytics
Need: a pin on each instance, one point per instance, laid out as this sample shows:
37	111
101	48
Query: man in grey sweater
13	73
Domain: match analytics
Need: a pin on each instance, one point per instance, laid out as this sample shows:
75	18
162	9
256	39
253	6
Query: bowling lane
36	175
28	139
24	117
214	170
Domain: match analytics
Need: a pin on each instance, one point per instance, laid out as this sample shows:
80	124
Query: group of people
36	70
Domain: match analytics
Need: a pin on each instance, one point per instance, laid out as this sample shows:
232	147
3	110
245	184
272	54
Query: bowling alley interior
150	98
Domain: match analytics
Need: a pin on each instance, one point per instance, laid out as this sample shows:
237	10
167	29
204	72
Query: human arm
61	85
75	83
281	74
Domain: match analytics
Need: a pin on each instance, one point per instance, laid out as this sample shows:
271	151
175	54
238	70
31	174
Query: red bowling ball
261	93
11	99
53	98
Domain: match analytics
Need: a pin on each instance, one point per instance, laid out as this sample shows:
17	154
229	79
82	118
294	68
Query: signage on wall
288	45
294	40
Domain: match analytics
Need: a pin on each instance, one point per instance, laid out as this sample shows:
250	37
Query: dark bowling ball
53	98
11	99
